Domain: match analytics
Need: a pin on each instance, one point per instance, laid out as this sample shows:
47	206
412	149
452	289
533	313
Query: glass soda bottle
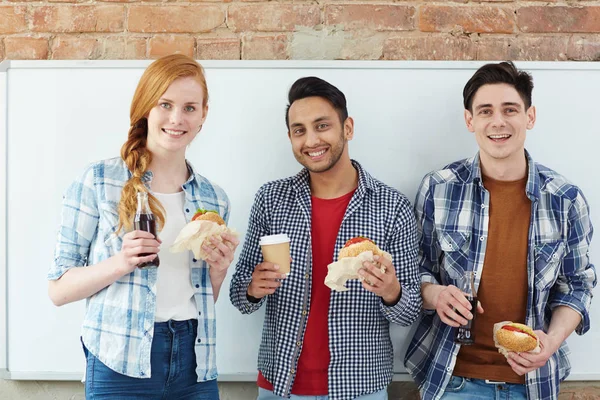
145	221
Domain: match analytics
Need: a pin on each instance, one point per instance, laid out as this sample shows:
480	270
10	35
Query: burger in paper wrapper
350	259
515	337
204	225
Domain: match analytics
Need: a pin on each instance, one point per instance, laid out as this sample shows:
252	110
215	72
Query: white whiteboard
61	115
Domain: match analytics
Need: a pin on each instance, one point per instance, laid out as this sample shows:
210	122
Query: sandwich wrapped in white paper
347	268
196	233
514	340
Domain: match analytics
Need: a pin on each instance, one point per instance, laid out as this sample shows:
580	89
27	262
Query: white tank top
174	291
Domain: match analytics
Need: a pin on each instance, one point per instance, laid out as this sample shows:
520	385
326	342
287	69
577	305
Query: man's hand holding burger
383	284
379	279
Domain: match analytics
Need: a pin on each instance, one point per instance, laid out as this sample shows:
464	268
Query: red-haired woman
147	333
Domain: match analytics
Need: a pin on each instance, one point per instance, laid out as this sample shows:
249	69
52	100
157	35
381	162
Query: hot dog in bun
515	337
357	245
208	215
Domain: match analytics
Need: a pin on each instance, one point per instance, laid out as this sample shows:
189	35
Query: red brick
389	17
497	49
163	45
12	19
584	49
26	48
429	48
477	19
559	19
175	18
124	48
74	48
218	49
542	48
264	47
273	17
71	18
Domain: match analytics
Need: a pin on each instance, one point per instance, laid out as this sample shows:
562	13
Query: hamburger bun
210	215
515	337
357	245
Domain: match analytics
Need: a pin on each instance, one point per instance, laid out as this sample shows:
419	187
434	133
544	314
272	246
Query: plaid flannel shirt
452	209
119	320
359	342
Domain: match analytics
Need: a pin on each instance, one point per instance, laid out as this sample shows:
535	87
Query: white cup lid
274	239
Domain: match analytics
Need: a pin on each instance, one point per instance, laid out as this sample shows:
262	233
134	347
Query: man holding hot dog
525	231
317	342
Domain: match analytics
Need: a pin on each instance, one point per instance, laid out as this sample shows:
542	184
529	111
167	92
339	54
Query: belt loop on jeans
490	382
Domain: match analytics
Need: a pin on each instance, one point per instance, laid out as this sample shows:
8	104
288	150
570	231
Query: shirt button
448	369
483	206
194	260
187	210
199	312
292	371
142	373
306	276
197	286
199	340
298	344
482	238
303	312
450	246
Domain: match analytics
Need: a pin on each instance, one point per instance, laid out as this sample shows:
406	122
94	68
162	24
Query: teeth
499	136
317	154
174	133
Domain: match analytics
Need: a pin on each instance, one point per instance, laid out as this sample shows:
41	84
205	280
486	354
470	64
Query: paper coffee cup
276	250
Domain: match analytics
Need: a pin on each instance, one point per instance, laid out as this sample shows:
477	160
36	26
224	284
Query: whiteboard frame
6	65
3	214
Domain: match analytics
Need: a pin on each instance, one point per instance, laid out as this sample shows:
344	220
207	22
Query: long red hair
153	83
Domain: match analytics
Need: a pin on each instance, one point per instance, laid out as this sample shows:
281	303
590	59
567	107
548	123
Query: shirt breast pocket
455	247
107	228
548	257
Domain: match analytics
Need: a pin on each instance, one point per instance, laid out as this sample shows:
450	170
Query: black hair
504	72
312	86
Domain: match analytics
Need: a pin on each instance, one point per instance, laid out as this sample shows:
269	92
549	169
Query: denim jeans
173	370
268	395
460	388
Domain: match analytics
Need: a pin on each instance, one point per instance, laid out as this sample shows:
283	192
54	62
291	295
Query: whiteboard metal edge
4	65
66	376
312	64
3	215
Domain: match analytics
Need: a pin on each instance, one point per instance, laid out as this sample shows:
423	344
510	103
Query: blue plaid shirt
119	321
452	209
361	351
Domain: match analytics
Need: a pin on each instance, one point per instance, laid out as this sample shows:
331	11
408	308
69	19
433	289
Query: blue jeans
173	370
268	395
460	388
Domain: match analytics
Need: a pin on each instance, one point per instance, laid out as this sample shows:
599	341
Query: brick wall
301	29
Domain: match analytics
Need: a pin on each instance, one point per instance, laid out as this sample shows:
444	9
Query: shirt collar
301	181
532	188
148	175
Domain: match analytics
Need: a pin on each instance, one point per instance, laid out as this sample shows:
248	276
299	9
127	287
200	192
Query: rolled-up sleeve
577	276
251	256
404	252
78	226
429	250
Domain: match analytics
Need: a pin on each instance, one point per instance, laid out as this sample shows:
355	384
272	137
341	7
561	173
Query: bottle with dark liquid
145	221
465	334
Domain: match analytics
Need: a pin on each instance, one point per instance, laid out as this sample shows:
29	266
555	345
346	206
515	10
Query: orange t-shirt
503	287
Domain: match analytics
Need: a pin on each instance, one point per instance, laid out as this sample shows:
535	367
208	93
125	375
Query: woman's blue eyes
167	106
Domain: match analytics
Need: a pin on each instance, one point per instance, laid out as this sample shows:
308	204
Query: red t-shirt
311	371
